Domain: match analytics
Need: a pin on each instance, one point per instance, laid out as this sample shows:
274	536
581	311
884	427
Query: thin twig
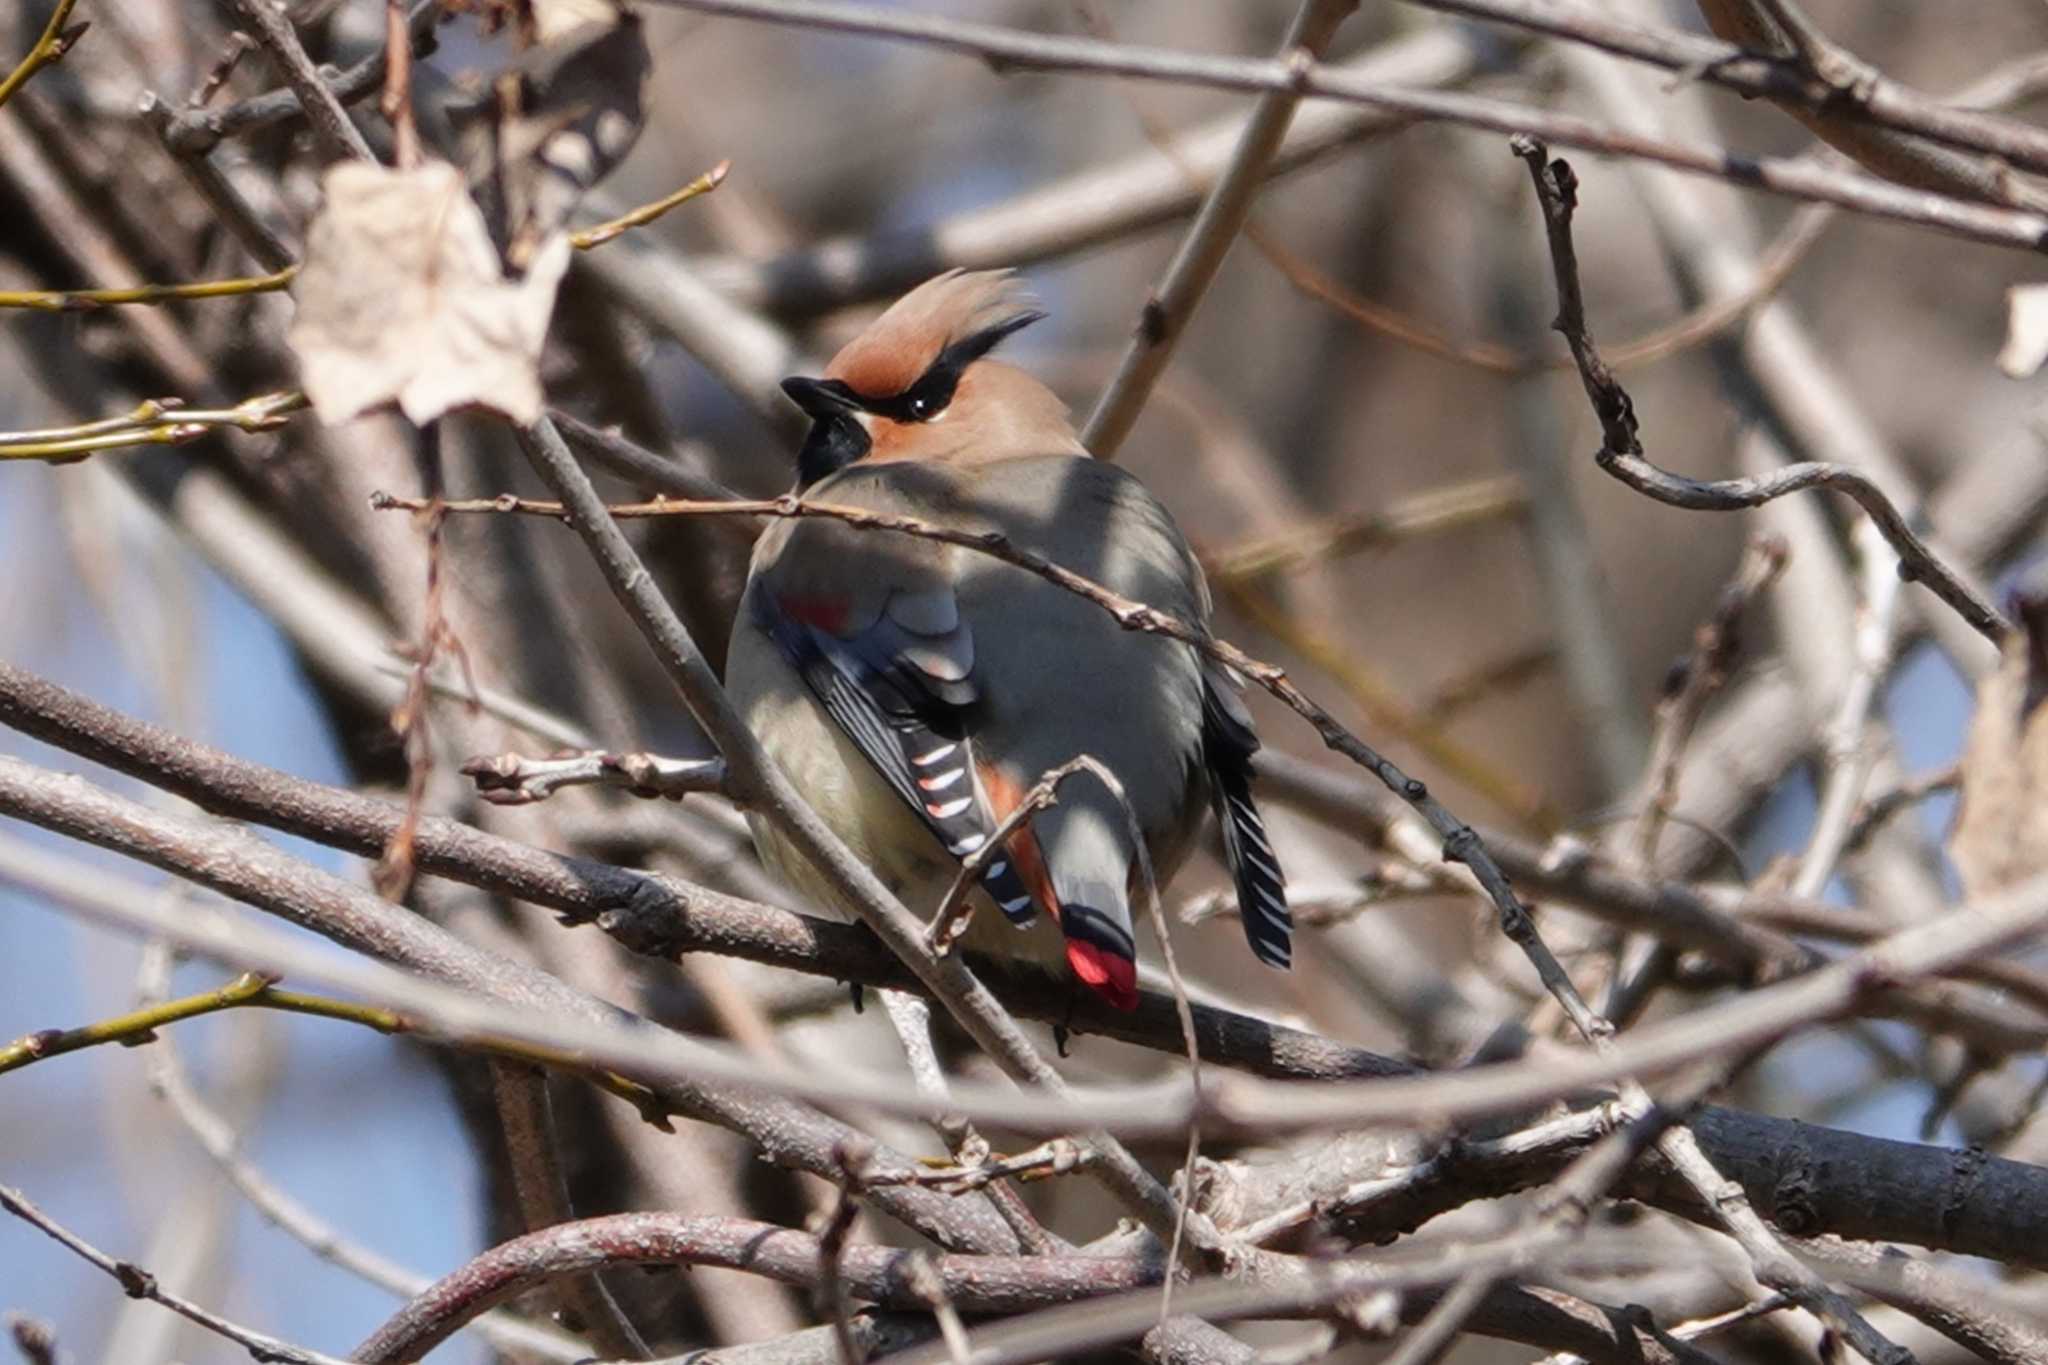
224	1146
1452	507
1562	1208
1645	961
1014	49
1621	451
231	208
926	1284
1167	310
159	421
156	295
192	133
831	1287
515	780
1101	203
146	295
409	721
1717	648
396	101
1846	746
1699	1328
1882	807
1060	1156
258	990
601	233
1699	325
138	1283
54	41
955	911
337	138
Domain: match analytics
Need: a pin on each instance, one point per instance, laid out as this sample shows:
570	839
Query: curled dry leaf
2026	330
2001	831
403	299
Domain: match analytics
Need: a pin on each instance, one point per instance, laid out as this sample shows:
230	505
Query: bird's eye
924	400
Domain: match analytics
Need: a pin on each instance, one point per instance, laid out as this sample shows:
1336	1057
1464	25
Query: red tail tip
1112	977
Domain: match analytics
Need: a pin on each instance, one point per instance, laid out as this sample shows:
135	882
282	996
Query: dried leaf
2026	333
2001	831
403	298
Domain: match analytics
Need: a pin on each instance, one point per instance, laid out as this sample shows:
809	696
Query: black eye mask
837	438
932	394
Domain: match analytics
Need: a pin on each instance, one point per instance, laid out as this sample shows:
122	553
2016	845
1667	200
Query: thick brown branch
1893	1191
985	1285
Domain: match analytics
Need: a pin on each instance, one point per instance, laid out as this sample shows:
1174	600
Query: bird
914	690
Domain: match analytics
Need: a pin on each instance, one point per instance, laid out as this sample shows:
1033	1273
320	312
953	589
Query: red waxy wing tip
1114	978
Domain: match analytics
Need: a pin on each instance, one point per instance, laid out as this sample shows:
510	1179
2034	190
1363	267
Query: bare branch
951	919
662	916
138	1283
224	1146
514	780
192	133
1015	49
336	136
1860	113
159	421
1172	303
974	1284
51	45
460	992
589	237
1621	452
1450	508
1105	202
146	295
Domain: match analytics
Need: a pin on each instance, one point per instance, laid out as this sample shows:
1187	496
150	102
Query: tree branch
138	1283
1170	306
1913	1193
1013	49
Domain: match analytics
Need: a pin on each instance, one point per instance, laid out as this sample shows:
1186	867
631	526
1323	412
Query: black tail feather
1227	748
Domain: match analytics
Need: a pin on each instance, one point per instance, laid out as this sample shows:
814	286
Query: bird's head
918	384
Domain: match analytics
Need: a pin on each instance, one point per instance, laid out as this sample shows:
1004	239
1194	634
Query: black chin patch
834	443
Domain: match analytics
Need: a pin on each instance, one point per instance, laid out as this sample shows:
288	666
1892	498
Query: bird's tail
1089	861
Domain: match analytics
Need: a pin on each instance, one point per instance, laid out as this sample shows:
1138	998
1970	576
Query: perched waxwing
914	691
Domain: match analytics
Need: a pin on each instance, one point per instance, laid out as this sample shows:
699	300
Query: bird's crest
898	347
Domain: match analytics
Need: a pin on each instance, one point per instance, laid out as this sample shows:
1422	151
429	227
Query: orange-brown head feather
917	384
895	350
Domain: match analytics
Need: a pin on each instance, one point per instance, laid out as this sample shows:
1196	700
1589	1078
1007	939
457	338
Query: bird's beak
819	399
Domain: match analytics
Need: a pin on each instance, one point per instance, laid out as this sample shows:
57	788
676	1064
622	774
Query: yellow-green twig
147	295
647	213
252	990
160	421
56	40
